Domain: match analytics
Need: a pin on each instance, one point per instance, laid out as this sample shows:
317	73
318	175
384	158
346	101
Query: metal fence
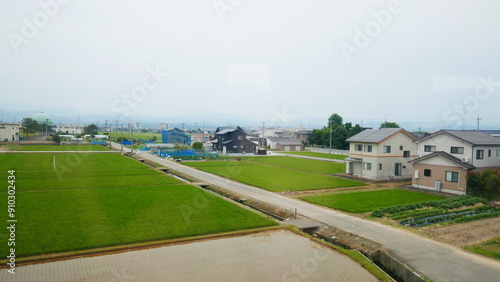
327	151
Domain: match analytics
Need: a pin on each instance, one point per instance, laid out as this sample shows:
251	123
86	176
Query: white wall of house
382	162
9	131
491	156
71	129
444	142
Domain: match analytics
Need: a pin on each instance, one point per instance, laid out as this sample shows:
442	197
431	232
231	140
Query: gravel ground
278	255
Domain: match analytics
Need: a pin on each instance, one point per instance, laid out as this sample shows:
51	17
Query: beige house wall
438	173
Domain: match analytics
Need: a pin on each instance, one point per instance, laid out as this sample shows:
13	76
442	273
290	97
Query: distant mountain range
212	121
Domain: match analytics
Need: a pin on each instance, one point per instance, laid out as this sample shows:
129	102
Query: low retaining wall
398	268
373	250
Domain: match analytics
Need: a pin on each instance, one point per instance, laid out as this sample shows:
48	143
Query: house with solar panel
446	156
381	154
232	140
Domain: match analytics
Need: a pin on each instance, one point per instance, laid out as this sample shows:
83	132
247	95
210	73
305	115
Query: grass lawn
490	248
359	202
98	200
309	165
272	178
317	155
83	147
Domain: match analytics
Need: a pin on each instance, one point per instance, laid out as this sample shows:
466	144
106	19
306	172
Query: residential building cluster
437	161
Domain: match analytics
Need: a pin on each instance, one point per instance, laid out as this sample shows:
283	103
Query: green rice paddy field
359	202
82	147
98	200
279	173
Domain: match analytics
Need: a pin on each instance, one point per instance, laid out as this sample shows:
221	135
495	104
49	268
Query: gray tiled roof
224	131
373	135
446	156
304	131
286	141
473	137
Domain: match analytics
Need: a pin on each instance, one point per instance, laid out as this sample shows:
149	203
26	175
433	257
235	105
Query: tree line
340	131
31	126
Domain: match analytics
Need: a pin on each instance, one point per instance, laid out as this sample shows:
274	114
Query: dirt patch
466	233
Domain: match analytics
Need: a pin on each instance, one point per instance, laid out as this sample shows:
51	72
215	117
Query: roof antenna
463	117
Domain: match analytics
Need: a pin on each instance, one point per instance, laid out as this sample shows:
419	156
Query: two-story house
175	136
232	140
446	156
9	132
381	154
303	135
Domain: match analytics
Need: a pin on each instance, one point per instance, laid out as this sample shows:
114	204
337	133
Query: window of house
427	172
451	176
358	147
401	148
498	153
429	148
235	146
368	148
240	137
379	166
367	166
387	149
489	153
457	150
406	154
479	154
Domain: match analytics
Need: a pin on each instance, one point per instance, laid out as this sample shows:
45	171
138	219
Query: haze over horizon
289	62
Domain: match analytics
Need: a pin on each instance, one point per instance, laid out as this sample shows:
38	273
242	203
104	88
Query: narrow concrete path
435	260
308	157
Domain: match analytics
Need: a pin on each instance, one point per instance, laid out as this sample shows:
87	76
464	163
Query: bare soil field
466	233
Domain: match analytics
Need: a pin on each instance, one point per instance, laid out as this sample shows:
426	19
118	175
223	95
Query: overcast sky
401	60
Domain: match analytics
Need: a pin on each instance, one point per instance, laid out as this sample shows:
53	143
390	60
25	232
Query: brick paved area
269	256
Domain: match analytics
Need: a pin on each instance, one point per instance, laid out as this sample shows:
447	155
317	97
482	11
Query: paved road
434	260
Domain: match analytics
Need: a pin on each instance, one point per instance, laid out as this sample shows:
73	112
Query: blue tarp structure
186	155
144	149
127	142
98	142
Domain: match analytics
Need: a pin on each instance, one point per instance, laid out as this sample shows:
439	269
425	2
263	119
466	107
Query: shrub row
454	216
413	213
447	204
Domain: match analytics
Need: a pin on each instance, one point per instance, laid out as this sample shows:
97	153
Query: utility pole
478	119
122	139
330	139
116	129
